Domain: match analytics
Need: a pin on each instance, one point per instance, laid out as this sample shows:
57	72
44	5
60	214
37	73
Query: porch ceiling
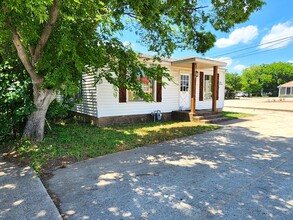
201	63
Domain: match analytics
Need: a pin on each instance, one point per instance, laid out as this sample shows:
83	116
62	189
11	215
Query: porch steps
206	117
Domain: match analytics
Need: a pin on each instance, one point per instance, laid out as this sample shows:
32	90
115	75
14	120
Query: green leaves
226	13
233	82
266	78
15	99
85	35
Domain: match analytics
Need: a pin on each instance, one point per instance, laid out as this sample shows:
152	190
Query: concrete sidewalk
22	194
242	171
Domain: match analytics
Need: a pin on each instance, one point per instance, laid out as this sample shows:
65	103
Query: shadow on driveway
22	194
230	173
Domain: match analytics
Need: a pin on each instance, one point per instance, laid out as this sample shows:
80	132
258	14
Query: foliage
59	109
80	141
15	99
266	78
59	40
232	84
235	115
85	34
251	80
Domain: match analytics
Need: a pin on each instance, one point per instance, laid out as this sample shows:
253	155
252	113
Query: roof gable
288	84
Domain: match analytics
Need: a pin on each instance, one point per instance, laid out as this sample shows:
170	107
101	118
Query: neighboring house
192	89
286	90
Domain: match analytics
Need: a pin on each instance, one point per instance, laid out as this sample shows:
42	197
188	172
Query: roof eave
202	61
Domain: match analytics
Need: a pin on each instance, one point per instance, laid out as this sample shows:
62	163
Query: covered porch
198	66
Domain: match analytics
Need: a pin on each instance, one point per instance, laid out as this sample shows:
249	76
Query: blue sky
265	38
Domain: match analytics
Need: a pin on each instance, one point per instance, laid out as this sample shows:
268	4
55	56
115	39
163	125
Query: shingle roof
288	84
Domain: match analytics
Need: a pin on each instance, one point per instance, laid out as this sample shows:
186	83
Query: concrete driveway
242	171
272	103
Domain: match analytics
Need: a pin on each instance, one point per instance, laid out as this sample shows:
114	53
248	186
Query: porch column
215	80
193	88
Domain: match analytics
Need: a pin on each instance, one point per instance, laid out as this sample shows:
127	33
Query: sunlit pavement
22	194
273	103
242	171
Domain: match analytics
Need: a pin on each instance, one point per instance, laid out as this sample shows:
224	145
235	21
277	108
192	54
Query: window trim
189	83
154	93
211	87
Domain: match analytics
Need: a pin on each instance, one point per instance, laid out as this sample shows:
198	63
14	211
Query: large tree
58	40
251	80
232	84
274	75
266	77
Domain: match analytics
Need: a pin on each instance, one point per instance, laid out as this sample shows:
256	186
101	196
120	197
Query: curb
265	109
54	208
26	196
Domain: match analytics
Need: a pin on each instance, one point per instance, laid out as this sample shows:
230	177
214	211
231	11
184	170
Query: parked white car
241	94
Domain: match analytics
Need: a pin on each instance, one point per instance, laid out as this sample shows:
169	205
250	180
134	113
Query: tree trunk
36	120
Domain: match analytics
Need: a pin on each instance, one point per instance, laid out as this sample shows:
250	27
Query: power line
260	51
278	41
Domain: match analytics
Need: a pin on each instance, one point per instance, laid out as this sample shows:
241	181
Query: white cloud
128	44
290	61
227	60
279	36
239	68
240	35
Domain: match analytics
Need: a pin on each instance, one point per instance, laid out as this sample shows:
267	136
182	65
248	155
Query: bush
59	109
15	98
17	102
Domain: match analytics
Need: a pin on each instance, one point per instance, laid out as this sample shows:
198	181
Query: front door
184	92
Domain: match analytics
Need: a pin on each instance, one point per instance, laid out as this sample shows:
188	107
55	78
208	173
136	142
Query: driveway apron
22	194
241	171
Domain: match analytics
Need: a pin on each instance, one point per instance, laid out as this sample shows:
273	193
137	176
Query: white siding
108	103
101	100
88	103
207	104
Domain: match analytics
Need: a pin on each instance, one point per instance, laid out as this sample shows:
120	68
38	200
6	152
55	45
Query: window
184	85
147	87
288	90
207	87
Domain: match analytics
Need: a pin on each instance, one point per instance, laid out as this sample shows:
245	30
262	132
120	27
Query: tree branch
23	56
32	50
196	8
48	28
132	15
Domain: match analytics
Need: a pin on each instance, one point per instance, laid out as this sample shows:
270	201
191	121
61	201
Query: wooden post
193	89
215	80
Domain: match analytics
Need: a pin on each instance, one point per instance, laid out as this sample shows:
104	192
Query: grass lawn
235	115
73	141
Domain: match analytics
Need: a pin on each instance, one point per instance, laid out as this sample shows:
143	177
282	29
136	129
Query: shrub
16	101
15	98
59	109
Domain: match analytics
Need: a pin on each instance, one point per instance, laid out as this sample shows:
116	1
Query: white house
198	84
286	90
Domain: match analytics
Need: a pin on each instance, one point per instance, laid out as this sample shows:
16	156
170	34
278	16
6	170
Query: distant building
286	90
